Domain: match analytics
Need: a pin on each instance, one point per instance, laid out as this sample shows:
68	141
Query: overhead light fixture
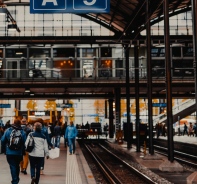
19	53
12	27
27	90
3	10
31	94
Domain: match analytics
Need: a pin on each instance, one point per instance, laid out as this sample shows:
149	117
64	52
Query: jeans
14	163
71	143
57	141
35	164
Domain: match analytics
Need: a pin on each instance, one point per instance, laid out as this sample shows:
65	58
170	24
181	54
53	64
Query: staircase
182	110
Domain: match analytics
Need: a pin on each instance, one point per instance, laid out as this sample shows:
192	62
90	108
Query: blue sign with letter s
69	6
89	4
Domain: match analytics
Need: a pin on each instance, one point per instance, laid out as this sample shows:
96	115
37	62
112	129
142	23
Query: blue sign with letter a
49	5
69	6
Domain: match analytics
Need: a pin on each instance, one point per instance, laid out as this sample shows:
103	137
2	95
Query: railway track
184	158
114	168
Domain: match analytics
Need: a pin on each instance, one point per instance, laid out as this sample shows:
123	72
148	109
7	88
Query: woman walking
38	153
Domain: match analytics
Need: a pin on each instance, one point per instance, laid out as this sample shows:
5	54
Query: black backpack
15	142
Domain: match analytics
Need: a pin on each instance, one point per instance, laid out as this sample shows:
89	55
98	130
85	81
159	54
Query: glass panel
50	24
65	67
37	68
158	52
119	68
1	53
105	68
176	51
88	52
63	52
16	53
182	68
187	52
117	52
12	69
158	68
106	52
88	68
37	52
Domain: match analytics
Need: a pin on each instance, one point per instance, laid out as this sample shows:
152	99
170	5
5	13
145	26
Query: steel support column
168	82
117	108
129	133
137	120
194	23
149	78
111	124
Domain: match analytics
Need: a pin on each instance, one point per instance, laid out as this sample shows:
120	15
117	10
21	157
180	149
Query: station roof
127	16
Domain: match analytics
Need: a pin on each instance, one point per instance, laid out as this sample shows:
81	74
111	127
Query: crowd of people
15	138
190	130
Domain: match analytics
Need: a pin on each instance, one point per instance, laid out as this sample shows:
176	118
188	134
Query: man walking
71	134
14	142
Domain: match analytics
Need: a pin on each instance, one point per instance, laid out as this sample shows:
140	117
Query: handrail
175	110
88	72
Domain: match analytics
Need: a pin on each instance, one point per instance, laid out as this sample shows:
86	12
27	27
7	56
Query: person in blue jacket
14	156
70	135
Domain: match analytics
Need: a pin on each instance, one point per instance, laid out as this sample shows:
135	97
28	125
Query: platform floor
67	169
73	169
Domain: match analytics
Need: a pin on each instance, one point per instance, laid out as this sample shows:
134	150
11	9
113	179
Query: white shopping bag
54	153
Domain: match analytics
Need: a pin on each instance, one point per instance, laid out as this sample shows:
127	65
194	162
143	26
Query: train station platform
67	169
150	164
73	169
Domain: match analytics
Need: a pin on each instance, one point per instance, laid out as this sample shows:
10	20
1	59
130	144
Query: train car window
176	51
63	52
187	52
16	53
106	52
158	52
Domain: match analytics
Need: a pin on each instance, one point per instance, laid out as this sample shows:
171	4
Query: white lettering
39	113
89	3
49	1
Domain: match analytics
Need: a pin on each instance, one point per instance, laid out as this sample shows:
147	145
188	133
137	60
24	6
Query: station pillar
111	117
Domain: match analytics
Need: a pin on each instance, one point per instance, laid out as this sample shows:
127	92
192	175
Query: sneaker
70	153
33	180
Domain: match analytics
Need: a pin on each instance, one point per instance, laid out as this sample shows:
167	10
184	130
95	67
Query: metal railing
182	106
90	72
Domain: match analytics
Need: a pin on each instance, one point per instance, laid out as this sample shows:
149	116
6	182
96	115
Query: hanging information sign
69	6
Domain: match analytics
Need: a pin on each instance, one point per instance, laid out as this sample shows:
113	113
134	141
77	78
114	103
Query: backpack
15	141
